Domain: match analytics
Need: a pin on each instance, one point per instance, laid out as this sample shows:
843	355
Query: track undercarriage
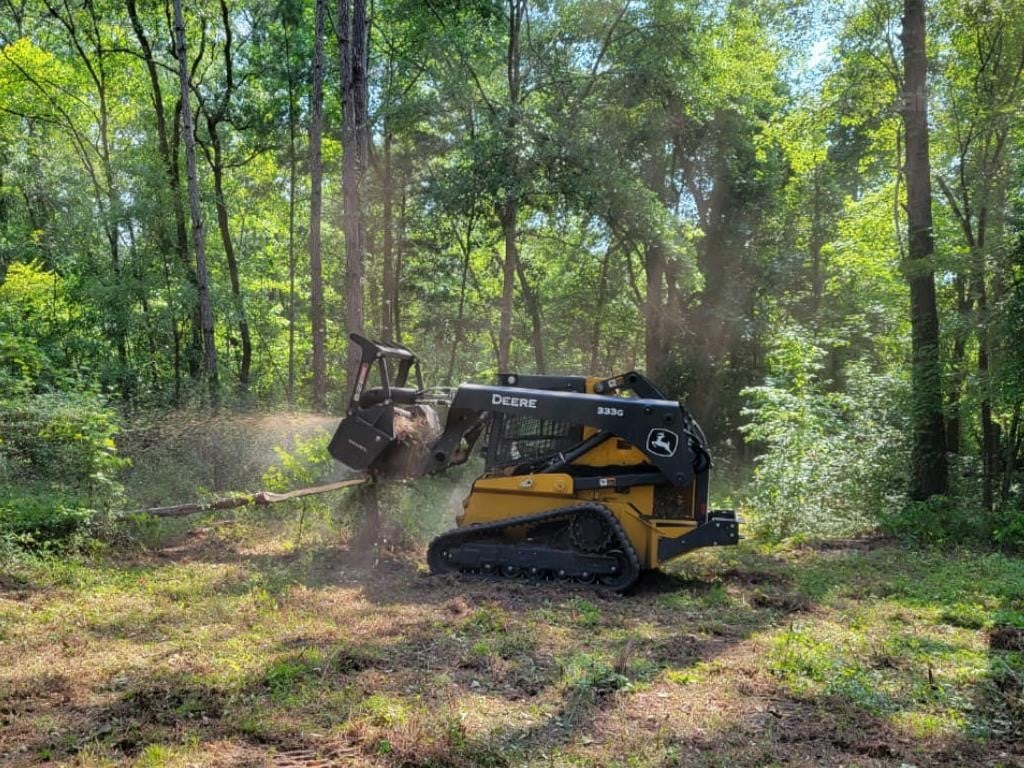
580	543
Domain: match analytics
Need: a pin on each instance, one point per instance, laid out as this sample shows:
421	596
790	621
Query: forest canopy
729	196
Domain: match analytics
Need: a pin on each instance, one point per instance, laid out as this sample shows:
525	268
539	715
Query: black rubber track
619	545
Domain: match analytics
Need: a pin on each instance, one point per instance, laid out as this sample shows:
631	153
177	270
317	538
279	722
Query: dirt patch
660	583
459	606
788	602
200	545
17	588
865	543
753	576
169	704
1006	639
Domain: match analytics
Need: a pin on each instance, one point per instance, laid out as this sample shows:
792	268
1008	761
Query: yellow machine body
500	497
493	499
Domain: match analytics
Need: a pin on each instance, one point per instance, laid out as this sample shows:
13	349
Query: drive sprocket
589	532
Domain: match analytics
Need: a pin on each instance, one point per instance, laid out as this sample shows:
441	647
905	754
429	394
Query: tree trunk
460	331
167	145
817	242
510	214
928	456
195	352
198	235
223	224
956	364
989	438
602	300
292	176
719	259
316	287
1010	454
108	198
215	115
654	311
387	325
352	50
396	306
533	307
112	225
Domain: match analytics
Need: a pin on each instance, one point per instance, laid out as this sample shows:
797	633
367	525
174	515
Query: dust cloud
184	453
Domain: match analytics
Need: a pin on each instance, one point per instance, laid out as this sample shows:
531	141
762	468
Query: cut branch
259	499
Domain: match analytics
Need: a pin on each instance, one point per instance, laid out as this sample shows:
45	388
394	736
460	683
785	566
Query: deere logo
662	442
515	402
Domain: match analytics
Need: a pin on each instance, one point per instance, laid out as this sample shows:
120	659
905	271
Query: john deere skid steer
585	479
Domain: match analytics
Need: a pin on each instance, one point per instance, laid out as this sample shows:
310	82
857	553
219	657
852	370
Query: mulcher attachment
386	430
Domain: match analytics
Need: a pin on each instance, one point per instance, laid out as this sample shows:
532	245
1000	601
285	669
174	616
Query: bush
1009	529
419	510
36	516
831	460
58	464
959	518
307	463
63	439
939	521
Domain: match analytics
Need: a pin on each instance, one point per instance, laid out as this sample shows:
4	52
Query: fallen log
260	499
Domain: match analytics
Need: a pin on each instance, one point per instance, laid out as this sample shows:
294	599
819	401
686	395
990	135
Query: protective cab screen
518	439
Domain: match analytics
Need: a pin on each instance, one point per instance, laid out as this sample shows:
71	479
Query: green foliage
954	521
939	521
183	453
39	337
1009	528
65	439
830	459
587	614
384	711
806	662
592	673
694	193
32	517
307	463
417	511
58	464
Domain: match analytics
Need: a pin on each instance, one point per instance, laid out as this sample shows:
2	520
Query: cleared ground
228	645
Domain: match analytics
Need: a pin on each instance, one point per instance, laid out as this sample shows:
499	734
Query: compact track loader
585	479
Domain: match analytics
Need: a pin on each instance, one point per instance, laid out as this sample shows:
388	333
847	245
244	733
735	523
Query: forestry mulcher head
388	427
586	479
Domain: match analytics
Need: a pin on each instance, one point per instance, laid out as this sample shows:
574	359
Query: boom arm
659	428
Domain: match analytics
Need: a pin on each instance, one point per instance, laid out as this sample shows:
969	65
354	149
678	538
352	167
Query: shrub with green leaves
1009	528
38	516
42	336
58	463
420	509
831	460
938	521
307	463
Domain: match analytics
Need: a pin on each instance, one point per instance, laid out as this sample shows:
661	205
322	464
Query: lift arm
656	427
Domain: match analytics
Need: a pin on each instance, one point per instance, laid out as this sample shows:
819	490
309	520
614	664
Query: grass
227	645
